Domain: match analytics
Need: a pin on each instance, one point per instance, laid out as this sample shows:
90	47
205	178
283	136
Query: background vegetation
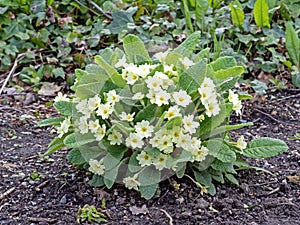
48	39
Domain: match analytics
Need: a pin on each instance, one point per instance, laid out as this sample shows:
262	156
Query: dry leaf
136	210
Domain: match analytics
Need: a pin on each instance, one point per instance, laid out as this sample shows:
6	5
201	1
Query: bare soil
49	190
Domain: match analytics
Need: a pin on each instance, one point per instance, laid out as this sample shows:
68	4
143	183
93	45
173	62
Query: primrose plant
138	120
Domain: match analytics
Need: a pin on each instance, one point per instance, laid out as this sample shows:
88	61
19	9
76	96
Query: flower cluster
136	120
209	97
237	104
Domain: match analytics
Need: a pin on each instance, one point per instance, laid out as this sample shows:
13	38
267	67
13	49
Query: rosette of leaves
137	120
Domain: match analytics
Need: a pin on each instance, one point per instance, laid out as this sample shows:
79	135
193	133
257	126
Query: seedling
91	214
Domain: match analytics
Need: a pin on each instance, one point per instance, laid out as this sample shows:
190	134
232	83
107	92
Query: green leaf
148	113
222	75
208	126
149	179
110	71
3	10
223	167
185	49
51	121
228	84
215	3
135	50
204	178
180	171
148	191
237	13
56	144
264	148
133	164
201	9
296	78
111	175
96	181
191	79
187	16
58	72
223	63
91	85
65	108
76	140
120	21
292	44
221	151
174	122
261	15
75	157
231	178
216	175
238	126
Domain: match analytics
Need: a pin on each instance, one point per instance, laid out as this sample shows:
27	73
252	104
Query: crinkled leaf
221	151
76	140
133	164
191	79
264	148
91	85
208	126
185	49
223	63
180	171
120	21
216	175
223	167
110	71
110	176
96	181
135	50
74	156
222	75
149	179
65	108
148	113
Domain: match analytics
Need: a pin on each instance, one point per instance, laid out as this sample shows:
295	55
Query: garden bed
48	190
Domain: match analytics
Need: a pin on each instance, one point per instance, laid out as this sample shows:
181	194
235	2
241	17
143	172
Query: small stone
63	200
274	113
202	204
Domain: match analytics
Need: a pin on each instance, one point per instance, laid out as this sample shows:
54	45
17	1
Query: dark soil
48	190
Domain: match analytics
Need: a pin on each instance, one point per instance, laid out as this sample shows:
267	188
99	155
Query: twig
5	194
288	203
274	191
262	184
276	120
101	10
39	219
97	14
292	108
291	96
41	185
168	215
19	57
